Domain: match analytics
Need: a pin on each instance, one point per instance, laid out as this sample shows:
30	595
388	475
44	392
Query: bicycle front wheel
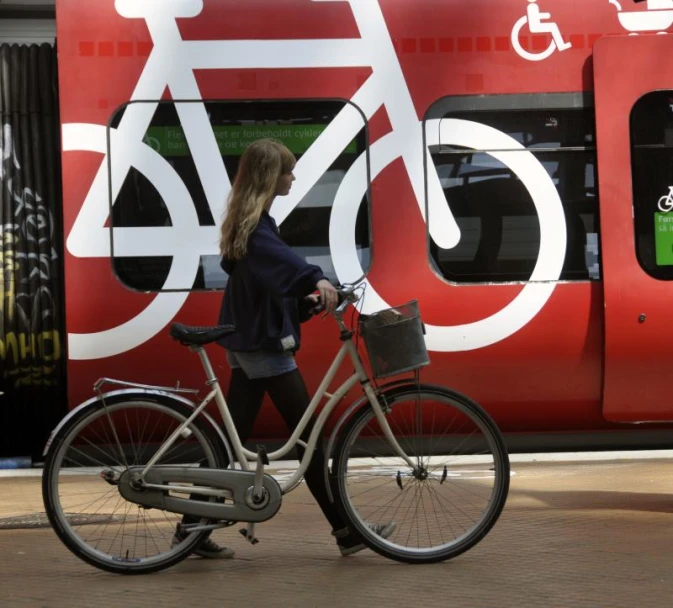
89	456
451	497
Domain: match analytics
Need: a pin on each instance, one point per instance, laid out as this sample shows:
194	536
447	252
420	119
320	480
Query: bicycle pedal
251	539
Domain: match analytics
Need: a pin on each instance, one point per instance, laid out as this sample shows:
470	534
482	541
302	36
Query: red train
509	164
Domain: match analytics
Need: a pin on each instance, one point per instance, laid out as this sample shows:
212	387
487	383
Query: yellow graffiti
7	287
45	346
29	357
32	376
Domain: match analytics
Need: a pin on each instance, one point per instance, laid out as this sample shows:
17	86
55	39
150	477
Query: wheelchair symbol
534	18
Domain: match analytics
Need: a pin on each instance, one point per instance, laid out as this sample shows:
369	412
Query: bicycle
426	461
172	63
665	203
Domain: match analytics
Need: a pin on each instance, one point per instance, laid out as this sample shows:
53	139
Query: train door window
165	220
500	230
652	179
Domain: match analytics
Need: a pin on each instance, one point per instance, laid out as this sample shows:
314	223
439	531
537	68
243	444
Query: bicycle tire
666	205
88	137
61	523
347	449
528	302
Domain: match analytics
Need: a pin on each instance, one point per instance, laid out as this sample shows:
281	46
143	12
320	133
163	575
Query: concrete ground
578	530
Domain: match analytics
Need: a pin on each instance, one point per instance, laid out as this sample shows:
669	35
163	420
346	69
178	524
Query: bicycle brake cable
361	302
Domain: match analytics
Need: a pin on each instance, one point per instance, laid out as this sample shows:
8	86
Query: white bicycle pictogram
665	203
172	63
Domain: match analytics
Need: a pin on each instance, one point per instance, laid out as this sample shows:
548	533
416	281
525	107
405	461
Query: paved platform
583	530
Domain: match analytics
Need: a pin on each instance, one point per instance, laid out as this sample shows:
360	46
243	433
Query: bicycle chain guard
154	492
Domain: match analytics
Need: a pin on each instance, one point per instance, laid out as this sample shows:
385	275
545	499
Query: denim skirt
262	363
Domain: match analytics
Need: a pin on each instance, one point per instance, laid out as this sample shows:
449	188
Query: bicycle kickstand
249	534
258	492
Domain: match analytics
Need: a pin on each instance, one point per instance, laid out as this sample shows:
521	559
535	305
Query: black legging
289	395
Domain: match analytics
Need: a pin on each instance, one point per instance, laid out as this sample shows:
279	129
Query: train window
165	219
495	211
652	179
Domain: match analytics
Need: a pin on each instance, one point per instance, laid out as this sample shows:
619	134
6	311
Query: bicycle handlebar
347	296
347	291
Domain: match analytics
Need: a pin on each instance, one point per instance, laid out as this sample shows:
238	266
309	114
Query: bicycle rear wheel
83	467
456	492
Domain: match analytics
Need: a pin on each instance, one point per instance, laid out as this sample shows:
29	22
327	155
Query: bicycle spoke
438	508
96	520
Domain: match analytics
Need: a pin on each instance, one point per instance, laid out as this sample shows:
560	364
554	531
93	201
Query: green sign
663	238
233	140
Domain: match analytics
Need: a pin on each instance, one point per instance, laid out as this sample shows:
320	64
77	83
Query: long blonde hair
259	170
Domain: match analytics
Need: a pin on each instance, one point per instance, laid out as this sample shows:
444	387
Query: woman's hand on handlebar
329	296
314	303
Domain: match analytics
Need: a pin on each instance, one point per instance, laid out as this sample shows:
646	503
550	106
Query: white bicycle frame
172	63
243	455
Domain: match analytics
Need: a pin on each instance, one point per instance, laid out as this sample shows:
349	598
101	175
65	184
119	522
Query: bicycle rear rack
171	389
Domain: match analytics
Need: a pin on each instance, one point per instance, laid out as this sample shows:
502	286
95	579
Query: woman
267	297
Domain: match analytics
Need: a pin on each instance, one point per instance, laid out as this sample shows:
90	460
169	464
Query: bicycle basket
394	340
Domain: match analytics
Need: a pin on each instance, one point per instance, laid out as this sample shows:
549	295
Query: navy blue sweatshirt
265	292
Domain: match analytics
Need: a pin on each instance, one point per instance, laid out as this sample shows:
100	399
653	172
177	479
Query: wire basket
394	340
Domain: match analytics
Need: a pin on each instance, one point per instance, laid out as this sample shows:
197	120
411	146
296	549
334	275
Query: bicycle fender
390	389
131	393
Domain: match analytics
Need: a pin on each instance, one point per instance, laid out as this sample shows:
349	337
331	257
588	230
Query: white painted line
605	456
288	466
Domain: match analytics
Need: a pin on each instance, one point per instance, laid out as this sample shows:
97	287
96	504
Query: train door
633	79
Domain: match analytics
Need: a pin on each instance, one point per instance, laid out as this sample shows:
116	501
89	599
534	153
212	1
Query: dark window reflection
236	124
652	176
494	210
